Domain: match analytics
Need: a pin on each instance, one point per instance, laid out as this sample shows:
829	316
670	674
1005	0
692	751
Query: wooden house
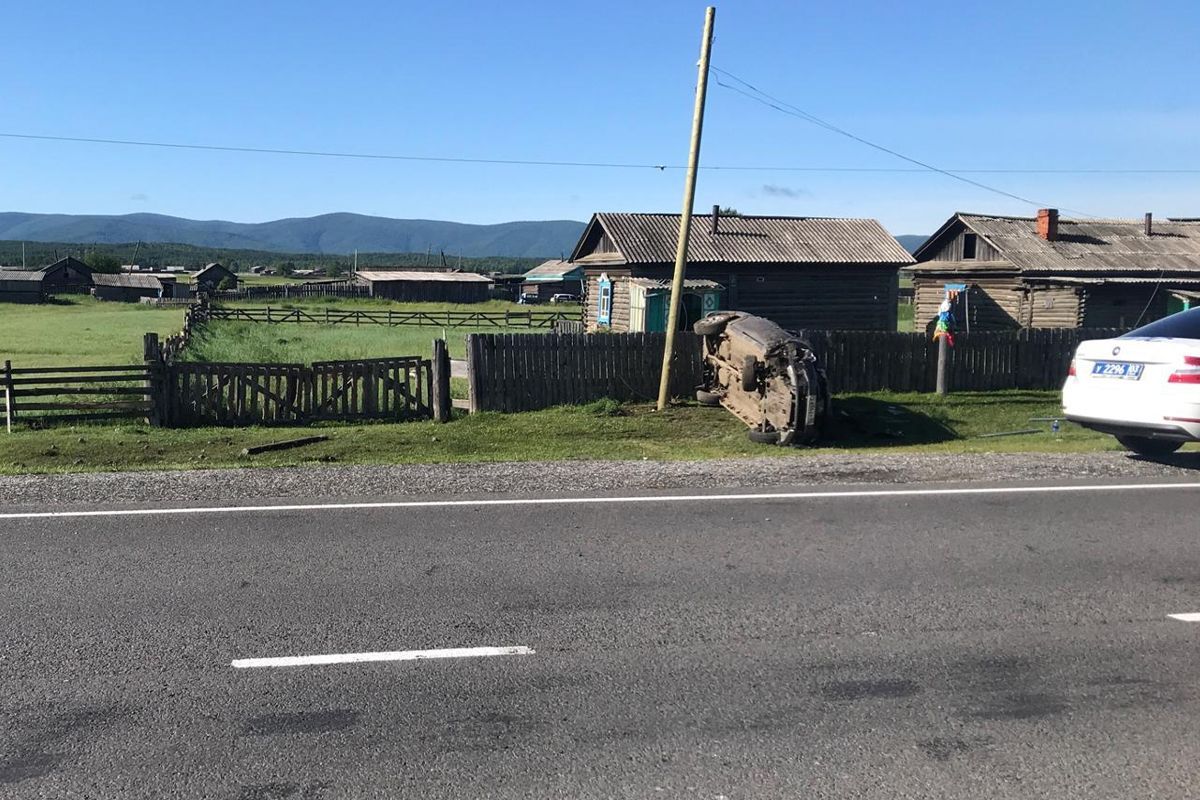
801	272
129	287
67	275
1050	272
21	285
212	277
553	277
426	285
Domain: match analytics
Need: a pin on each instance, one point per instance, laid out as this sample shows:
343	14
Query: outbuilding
800	272
21	285
426	286
214	277
129	287
553	277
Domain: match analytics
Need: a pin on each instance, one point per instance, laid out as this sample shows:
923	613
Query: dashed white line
1192	617
397	655
577	501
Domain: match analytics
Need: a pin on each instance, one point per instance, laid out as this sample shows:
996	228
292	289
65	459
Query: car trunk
1128	366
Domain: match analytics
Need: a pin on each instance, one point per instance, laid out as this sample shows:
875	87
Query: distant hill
335	234
911	241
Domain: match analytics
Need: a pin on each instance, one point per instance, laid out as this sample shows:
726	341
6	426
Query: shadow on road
1188	459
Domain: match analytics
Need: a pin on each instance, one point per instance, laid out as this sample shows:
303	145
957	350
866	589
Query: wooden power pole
685	219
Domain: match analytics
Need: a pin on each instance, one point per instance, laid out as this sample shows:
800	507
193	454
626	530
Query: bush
605	407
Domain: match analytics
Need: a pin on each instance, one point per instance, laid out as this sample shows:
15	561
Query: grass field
904	317
376	304
80	331
302	344
604	430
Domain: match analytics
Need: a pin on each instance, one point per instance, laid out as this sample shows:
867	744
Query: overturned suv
764	376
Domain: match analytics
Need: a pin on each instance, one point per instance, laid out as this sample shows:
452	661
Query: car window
1184	325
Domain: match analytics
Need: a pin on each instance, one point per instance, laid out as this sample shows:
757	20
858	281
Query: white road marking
398	655
576	501
1185	617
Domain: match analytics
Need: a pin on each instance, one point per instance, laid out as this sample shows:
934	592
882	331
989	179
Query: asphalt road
978	645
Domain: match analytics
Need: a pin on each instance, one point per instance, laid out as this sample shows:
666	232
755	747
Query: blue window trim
604	309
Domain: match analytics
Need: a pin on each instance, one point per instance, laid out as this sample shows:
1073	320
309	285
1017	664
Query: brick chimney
716	215
1047	223
1149	224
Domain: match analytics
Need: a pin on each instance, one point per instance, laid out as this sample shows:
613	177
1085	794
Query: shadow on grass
870	422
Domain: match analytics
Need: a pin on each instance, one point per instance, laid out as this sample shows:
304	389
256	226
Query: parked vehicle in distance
528	299
564	298
764	376
1142	387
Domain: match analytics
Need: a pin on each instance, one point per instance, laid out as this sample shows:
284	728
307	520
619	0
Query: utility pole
685	219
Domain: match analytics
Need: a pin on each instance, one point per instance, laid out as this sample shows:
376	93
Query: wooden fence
431	319
524	372
869	361
287	290
179	394
67	394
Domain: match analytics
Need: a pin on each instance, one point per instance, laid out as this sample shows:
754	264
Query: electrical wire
585	164
771	101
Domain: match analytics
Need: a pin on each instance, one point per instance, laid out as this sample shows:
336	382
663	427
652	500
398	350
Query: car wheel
1145	446
749	374
762	437
711	326
707	398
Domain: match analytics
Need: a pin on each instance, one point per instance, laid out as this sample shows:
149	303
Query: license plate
1117	369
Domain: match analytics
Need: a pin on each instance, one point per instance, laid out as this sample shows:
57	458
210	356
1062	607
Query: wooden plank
71	370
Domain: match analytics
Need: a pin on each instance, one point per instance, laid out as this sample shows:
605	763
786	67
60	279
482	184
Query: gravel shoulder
574	477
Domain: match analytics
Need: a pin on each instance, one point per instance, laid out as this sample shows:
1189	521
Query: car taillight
1188	373
1071	369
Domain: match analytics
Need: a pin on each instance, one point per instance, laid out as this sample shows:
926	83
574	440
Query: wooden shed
1050	272
129	287
553	277
801	272
426	286
21	285
67	275
211	278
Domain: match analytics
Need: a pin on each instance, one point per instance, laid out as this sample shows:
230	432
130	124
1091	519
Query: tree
227	283
729	211
102	262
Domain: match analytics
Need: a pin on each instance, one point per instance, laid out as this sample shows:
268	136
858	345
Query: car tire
1151	448
707	398
711	326
762	437
749	374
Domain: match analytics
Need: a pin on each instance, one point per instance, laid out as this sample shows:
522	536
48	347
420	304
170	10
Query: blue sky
1014	85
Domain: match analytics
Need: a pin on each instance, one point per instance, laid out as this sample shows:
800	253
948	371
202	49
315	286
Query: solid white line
575	501
1185	617
398	655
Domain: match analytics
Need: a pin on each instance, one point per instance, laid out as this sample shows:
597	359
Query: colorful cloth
945	318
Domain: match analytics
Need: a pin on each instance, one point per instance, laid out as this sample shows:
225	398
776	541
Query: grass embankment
604	430
80	331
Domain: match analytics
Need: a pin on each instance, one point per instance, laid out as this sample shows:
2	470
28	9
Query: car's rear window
1184	325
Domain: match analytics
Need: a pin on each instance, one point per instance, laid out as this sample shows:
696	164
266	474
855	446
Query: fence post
152	357
9	397
473	398
941	365
440	380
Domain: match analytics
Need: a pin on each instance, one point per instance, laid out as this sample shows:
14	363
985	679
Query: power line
759	96
590	164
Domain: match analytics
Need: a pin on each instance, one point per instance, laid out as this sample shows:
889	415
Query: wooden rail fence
431	319
524	372
286	290
67	394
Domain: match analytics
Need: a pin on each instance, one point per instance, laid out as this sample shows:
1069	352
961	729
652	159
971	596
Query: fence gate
282	394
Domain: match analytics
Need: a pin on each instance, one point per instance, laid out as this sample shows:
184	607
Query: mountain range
334	234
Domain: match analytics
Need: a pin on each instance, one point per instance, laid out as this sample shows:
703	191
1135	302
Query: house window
970	240
604	307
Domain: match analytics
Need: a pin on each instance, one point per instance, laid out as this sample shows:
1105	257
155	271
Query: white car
1143	387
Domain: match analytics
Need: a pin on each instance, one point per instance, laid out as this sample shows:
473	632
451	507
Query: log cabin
1051	272
800	272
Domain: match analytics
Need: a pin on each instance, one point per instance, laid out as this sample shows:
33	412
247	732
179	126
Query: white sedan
1142	387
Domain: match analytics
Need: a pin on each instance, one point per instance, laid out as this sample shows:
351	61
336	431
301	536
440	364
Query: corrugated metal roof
417	275
554	270
126	280
18	275
1092	245
652	239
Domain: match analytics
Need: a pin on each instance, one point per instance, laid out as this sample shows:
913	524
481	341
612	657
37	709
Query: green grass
904	317
380	304
80	331
301	344
879	422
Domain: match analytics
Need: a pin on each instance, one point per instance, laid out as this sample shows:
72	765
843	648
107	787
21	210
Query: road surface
831	643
